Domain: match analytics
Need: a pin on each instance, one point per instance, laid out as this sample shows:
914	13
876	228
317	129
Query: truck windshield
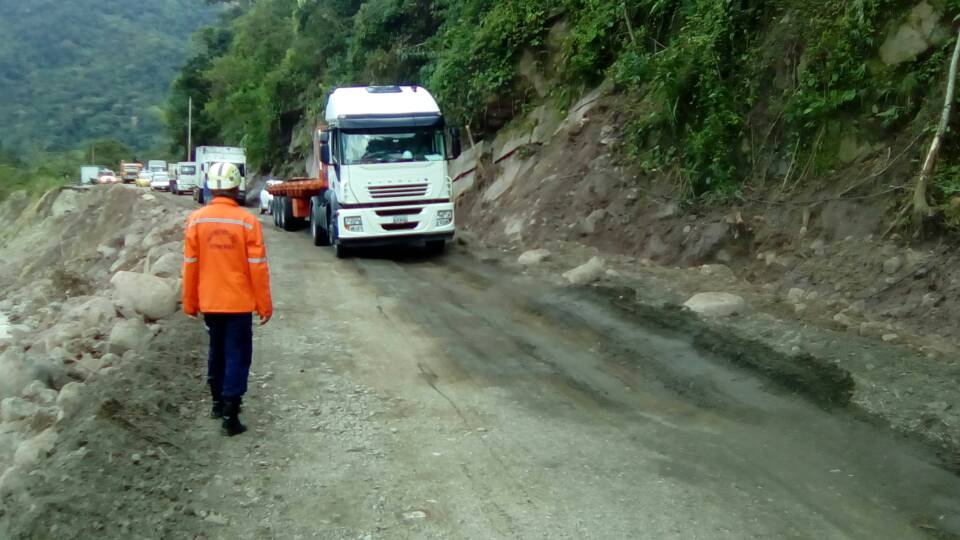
188	170
394	147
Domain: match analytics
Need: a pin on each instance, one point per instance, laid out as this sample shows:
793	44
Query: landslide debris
89	282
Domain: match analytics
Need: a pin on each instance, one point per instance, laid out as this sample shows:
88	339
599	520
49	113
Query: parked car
144	178
160	181
266	198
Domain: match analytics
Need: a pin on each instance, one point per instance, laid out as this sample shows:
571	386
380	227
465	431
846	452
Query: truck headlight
353	224
444	218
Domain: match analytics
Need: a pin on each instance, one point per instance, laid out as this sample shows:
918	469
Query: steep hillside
86	69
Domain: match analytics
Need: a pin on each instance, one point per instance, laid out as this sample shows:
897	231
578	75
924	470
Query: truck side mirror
455	146
324	153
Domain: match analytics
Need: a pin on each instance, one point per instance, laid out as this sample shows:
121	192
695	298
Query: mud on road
402	397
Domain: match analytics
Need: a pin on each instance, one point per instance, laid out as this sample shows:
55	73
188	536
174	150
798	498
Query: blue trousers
231	352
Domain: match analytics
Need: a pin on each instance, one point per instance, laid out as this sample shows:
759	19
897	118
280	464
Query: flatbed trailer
292	200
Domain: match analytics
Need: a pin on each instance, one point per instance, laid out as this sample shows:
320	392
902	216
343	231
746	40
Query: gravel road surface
399	396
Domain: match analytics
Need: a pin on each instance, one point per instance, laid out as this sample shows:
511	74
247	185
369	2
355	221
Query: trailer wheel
285	214
317	213
275	210
290	223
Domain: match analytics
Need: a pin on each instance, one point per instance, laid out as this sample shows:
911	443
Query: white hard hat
223	176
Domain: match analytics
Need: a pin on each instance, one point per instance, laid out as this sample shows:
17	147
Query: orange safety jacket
225	262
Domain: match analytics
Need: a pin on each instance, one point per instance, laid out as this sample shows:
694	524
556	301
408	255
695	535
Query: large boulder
70	400
14	481
15	372
716	304
535	256
14	409
169	265
127	335
40	393
30	452
150	295
585	273
919	32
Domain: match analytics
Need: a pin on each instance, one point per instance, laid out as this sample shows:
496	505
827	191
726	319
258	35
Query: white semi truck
206	156
378	175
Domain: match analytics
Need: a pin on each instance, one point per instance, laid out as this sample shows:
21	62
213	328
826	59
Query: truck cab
206	156
384	152
187	176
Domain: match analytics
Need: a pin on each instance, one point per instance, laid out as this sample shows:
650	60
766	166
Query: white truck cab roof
357	107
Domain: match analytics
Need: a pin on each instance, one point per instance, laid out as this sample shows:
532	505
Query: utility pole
190	130
93	153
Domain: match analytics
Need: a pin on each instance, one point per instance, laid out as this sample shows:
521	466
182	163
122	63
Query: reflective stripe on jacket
225	262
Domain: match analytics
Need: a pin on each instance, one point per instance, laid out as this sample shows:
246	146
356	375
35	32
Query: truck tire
436	247
290	223
282	207
339	249
275	213
318	215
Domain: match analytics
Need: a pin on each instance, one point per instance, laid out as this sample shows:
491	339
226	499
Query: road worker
226	278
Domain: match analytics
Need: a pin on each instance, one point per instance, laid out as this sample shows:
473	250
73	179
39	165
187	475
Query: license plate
401	219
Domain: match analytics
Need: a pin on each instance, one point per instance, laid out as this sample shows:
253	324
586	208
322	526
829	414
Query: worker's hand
265	320
192	316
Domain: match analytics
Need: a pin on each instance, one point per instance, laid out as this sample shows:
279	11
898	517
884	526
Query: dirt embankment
809	274
90	281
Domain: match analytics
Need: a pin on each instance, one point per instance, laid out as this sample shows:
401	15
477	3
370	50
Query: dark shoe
217	410
231	418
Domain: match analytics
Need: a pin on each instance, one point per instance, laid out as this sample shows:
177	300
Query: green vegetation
36	172
711	90
75	71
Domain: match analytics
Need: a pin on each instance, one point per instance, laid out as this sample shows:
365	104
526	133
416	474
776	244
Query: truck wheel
282	207
290	223
436	247
317	213
274	212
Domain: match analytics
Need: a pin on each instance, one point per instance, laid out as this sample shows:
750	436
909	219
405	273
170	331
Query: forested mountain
701	81
72	71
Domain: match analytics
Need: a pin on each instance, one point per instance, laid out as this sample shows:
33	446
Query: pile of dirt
90	280
554	196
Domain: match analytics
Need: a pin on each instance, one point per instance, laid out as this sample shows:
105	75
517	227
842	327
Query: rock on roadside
167	266
127	335
585	273
70	400
534	256
149	295
716	304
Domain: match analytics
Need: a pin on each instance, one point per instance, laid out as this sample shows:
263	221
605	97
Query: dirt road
397	397
413	398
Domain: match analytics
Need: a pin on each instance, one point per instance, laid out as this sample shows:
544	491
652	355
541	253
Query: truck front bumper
396	224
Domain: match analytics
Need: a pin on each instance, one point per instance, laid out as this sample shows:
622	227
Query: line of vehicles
377	173
178	178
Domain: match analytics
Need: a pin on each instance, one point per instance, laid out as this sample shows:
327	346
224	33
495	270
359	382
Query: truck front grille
392	191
